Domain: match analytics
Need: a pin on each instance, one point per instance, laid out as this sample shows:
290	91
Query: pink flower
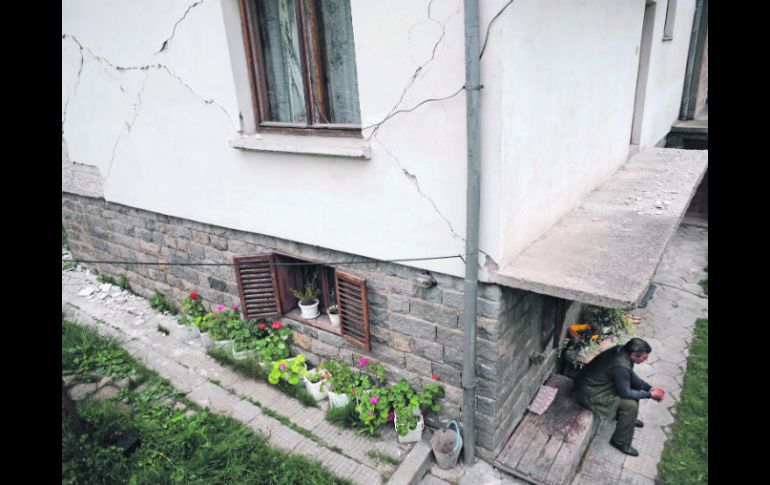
220	308
276	325
235	306
261	326
391	416
371	412
282	366
373	400
363	362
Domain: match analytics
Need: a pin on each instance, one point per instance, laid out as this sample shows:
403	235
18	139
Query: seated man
608	386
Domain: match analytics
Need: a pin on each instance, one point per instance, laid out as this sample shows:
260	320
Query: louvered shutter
257	286
351	301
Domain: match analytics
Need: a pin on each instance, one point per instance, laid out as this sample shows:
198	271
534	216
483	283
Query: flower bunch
274	344
192	307
373	409
288	370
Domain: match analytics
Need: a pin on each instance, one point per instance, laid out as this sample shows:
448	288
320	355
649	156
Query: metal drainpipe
472	88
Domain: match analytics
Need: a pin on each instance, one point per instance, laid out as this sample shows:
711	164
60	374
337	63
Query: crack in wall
173	31
75	88
419	69
412	178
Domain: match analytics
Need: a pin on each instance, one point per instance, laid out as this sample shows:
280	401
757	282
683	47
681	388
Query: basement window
265	282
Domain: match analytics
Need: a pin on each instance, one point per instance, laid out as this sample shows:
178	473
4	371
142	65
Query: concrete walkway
180	358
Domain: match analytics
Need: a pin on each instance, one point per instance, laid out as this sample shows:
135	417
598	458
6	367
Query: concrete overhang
605	251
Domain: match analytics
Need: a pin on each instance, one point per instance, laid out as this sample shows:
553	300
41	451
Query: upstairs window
265	282
302	65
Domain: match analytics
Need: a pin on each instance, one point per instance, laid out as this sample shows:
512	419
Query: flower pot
185	332
334	318
446	445
338	400
244	354
226	345
414	434
206	340
309	311
317	390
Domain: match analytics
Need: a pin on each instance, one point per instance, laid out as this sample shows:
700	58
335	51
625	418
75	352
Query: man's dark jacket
607	379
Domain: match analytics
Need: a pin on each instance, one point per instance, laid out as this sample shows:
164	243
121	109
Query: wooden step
546	449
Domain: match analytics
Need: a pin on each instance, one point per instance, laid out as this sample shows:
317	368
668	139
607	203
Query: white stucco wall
668	60
157	122
149	100
567	107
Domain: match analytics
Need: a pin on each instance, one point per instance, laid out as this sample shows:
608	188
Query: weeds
159	303
163	330
379	457
344	416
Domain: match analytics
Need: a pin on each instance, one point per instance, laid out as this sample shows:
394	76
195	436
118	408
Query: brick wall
415	331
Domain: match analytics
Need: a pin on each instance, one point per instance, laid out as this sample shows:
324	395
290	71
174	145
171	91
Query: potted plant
315	382
308	299
409	407
339	384
373	409
222	325
244	346
334	315
192	309
289	370
273	346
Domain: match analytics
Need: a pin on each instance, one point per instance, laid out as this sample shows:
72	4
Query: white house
203	131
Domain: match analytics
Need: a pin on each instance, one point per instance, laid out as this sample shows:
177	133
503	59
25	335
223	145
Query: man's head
637	349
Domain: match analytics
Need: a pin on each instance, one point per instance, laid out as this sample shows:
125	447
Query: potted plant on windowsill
308	299
334	315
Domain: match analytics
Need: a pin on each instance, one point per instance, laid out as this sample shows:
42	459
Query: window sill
305	144
321	322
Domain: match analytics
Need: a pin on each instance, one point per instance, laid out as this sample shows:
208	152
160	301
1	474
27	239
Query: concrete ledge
414	466
605	251
305	144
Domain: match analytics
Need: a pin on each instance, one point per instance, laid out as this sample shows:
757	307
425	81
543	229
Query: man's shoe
627	449
638	423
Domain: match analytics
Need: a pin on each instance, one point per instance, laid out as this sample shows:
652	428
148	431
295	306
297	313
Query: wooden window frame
352	303
258	84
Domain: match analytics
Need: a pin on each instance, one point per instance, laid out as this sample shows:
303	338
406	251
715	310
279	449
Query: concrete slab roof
605	251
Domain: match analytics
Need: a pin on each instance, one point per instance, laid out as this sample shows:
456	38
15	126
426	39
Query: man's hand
657	393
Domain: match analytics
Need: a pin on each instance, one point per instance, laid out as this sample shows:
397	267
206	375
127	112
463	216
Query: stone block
324	350
404	344
301	340
447	374
387	354
399	304
418	364
330	338
450	338
412	327
430	350
433	312
430	294
219	242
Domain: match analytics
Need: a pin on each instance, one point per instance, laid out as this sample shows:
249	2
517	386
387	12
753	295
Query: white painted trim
234	32
304	144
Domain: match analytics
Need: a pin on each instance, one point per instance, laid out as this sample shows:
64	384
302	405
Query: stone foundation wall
415	331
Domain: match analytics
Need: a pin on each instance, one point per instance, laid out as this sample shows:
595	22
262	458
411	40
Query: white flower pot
334	318
317	390
244	354
206	340
338	400
414	434
226	345
309	311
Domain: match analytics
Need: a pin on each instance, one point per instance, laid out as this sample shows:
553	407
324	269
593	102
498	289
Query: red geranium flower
261	326
276	325
434	376
193	296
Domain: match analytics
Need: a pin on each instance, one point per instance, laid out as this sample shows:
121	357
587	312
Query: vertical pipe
472	88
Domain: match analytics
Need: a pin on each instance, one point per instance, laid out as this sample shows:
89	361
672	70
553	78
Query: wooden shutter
257	286
351	301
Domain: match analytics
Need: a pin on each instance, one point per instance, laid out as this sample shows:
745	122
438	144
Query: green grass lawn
199	448
685	457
